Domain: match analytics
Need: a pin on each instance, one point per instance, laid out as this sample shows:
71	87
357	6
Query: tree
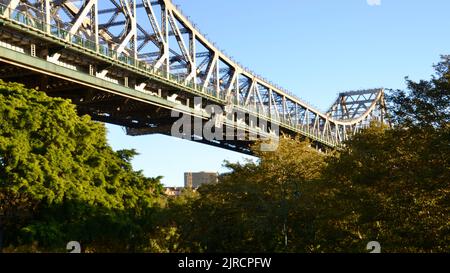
395	182
253	208
425	103
61	181
392	186
175	216
388	184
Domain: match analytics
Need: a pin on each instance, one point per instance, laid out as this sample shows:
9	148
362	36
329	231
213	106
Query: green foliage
253	207
61	181
395	182
389	185
393	187
425	103
167	237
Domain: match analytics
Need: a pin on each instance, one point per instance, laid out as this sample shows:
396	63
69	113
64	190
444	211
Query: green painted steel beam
51	69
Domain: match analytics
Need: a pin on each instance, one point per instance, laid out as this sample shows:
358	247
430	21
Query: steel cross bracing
151	47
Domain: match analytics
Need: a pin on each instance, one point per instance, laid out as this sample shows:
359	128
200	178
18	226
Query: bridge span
135	62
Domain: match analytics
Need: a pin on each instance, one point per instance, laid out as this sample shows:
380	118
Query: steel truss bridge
132	62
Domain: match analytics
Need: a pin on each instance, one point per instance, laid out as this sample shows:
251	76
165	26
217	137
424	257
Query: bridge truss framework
131	62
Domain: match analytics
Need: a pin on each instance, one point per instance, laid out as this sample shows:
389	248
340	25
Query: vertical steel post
165	33
48	19
193	65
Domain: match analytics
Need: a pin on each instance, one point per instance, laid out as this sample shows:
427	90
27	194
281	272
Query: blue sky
314	48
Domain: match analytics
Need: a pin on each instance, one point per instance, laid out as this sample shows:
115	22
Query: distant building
195	180
173	191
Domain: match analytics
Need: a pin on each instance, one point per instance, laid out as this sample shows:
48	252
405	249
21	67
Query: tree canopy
424	103
389	185
60	180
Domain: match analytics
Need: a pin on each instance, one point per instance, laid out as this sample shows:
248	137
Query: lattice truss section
350	105
157	33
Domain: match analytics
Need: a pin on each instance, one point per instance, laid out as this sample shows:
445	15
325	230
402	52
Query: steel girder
158	34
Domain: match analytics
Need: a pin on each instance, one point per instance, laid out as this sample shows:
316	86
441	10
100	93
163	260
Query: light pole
1	232
286	208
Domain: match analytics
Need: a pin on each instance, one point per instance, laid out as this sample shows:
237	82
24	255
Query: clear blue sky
314	48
